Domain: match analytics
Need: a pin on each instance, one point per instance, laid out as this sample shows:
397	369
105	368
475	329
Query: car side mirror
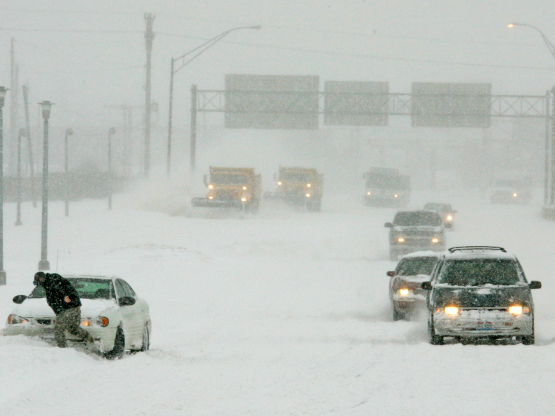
205	179
426	285
388	225
126	301
534	284
448	225
390	274
19	299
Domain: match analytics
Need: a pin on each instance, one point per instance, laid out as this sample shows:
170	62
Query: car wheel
434	339
396	315
119	346
529	340
146	339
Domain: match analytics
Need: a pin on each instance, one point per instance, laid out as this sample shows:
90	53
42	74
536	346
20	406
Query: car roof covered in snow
463	253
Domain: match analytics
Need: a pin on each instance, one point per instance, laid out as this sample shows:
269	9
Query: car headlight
308	185
307	195
210	186
15	319
368	193
404	291
279	183
396	196
243	199
451	310
515	310
244	188
210	197
401	240
515	194
449	218
435	240
98	321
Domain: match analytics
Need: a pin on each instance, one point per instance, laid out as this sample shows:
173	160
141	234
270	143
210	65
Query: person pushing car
64	300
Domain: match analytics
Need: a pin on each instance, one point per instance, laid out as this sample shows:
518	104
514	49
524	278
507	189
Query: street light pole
110	133
18	210
43	263
3	91
201	49
549	191
69	132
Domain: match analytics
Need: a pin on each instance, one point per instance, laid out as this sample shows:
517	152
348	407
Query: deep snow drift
283	313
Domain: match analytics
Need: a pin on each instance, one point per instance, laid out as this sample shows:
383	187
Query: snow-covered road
286	313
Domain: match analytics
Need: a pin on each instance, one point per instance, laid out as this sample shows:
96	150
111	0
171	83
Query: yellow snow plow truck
299	186
238	188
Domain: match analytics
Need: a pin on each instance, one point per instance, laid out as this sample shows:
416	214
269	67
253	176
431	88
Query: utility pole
29	144
111	132
18	215
149	37
13	107
43	263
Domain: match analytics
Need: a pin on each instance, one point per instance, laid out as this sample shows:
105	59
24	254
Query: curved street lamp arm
208	44
548	43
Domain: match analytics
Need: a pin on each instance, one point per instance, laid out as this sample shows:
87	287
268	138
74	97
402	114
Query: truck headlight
243	199
435	240
279	183
369	193
451	310
308	185
307	195
244	188
515	310
15	319
396	196
210	186
401	240
210	197
515	194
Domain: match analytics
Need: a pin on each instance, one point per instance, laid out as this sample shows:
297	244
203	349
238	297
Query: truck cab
386	187
299	186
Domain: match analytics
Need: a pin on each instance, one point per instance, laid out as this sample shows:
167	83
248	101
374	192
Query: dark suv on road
405	292
480	293
413	231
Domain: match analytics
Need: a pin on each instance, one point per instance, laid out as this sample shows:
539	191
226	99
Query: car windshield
295	177
384	181
87	288
479	272
509	183
417	218
438	207
229	179
417	265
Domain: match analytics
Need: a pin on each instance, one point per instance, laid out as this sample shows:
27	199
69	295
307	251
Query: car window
87	288
417	218
479	272
128	290
417	265
120	289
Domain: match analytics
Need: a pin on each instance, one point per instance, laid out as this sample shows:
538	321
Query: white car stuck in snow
111	312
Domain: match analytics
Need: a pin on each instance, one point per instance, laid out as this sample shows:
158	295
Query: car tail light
103	321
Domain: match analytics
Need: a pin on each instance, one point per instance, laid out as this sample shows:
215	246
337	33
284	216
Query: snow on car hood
419	278
39	307
418	228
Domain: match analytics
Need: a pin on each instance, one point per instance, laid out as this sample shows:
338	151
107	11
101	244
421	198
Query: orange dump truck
239	188
299	186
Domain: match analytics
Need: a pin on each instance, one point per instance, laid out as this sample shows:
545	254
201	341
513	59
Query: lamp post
43	263
201	49
3	91
549	191
21	134
110	133
69	132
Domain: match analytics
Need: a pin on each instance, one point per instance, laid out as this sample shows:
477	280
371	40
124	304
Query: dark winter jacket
57	288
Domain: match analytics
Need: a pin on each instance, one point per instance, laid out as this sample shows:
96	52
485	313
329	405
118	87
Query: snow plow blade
215	203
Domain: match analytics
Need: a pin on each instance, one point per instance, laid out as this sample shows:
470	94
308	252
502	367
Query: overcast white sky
84	56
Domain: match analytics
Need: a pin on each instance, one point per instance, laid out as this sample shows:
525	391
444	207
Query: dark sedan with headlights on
480	293
405	292
413	231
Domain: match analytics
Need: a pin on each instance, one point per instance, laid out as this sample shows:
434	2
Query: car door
128	316
137	320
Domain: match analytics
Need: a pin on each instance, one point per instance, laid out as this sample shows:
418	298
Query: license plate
484	326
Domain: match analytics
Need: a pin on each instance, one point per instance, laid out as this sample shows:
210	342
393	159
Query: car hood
419	278
39	308
418	228
483	296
